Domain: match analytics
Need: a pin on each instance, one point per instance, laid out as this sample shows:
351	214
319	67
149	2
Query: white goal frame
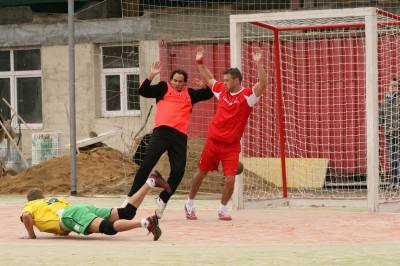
371	85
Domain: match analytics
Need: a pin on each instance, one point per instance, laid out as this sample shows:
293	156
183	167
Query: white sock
222	208
125	203
144	223
151	182
161	202
190	203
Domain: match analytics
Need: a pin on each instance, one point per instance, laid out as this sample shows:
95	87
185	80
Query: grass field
282	236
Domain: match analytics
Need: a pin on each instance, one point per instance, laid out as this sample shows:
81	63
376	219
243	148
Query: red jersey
174	110
233	110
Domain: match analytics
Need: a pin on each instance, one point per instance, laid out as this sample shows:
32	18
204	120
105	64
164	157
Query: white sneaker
223	213
224	216
161	205
190	212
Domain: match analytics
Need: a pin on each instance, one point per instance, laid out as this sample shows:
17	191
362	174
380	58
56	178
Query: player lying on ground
58	216
235	104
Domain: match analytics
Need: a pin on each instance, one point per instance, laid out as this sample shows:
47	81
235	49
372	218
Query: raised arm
28	222
262	75
204	71
154	70
153	91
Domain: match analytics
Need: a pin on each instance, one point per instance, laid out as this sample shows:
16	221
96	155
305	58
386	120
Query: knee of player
106	227
178	167
201	174
127	213
177	173
230	180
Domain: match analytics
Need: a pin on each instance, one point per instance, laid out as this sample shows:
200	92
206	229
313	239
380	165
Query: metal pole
372	110
236	61
71	86
281	119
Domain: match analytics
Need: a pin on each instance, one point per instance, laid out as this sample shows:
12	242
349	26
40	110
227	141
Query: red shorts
215	151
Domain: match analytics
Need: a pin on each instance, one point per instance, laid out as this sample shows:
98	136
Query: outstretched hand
155	69
199	53
28	237
205	73
257	55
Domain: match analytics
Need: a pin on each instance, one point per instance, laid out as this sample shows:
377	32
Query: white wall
88	94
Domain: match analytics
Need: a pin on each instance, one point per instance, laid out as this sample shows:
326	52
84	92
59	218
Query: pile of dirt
102	170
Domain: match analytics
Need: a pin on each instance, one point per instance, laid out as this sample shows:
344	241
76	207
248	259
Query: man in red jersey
235	104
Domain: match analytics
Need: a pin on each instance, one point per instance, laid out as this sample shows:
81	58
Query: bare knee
95	225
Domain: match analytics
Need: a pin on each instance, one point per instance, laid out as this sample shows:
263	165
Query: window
120	78
5	93
21	84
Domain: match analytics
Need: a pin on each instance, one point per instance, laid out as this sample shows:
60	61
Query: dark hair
180	72
34	194
234	72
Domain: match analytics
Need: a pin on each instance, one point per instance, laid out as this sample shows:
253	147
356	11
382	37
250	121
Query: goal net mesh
323	91
322	63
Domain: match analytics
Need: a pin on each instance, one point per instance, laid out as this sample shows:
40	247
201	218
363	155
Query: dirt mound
103	170
100	171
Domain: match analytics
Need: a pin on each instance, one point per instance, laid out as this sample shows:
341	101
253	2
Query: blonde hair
34	194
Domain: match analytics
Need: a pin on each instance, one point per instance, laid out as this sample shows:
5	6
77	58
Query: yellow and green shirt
45	213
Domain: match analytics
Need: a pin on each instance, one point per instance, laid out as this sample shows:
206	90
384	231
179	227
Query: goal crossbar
312	14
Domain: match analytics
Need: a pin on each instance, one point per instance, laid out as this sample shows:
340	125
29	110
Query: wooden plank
347	184
301	172
16	113
101	137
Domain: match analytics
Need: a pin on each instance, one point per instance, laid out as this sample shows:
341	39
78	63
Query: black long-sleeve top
158	91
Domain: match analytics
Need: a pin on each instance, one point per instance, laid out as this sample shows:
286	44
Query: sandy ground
284	236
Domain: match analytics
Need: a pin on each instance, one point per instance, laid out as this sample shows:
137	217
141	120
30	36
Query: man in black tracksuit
174	106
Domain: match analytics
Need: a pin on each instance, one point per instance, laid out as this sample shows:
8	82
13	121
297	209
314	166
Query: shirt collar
236	93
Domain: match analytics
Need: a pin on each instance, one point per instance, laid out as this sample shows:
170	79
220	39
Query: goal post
236	61
316	133
371	85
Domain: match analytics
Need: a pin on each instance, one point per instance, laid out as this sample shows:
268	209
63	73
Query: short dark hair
34	194
234	72
180	72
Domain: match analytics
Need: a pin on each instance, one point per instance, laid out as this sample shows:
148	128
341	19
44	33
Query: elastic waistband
170	130
62	225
